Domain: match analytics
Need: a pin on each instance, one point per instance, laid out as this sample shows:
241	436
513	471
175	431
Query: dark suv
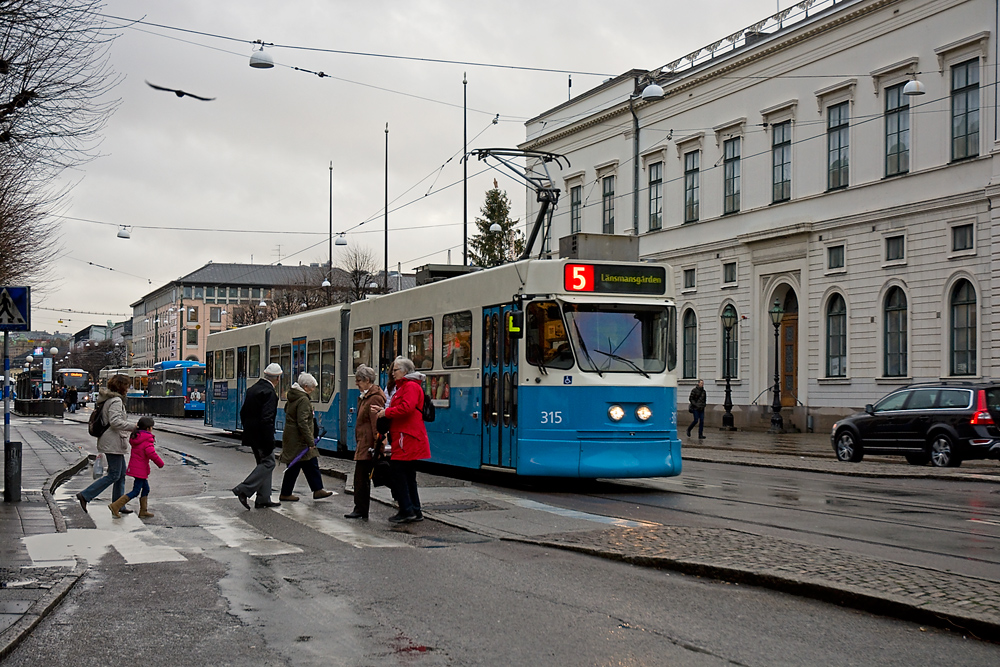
944	423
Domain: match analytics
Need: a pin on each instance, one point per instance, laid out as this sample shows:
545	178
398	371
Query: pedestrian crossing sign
15	309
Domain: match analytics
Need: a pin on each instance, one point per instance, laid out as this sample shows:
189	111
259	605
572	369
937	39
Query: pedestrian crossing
221	517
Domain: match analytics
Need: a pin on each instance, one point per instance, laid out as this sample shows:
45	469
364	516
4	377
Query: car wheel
847	448
918	458
942	452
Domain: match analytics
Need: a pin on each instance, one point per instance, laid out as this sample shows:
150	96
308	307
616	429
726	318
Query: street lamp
777	424
728	322
651	92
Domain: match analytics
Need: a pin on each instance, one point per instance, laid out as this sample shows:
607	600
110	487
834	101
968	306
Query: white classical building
786	163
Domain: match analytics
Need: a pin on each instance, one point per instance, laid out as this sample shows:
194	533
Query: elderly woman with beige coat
365	438
113	443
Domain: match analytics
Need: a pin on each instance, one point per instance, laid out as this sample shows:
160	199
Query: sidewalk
918	594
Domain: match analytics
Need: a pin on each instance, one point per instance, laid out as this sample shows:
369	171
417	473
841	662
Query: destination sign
608	278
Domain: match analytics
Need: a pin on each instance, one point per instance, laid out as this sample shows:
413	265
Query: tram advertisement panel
615	279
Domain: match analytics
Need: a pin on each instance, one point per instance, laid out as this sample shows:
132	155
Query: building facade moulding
979	43
844	87
908	66
730	129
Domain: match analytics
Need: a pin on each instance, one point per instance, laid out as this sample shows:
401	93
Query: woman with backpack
407	436
113	442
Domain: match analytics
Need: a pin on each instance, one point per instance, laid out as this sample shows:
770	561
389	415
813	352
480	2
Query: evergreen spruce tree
488	248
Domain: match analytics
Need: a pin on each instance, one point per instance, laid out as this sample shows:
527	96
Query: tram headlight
616	412
643	413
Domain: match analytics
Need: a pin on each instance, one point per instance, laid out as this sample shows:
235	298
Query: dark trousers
363	486
310	469
139	487
404	486
259	480
699	419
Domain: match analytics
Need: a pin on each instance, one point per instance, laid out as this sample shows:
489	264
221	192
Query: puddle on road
184	458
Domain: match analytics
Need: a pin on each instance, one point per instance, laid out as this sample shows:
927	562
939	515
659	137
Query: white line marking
234	532
335	528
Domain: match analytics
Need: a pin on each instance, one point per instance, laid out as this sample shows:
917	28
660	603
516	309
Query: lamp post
651	92
385	278
777	424
728	322
465	170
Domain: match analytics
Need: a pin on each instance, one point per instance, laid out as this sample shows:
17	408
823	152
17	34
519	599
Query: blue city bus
561	368
180	378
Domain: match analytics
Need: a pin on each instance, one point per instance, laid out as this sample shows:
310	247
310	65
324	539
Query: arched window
963	329
690	345
895	333
731	356
836	337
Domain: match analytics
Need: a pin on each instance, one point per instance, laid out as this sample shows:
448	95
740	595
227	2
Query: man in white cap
260	407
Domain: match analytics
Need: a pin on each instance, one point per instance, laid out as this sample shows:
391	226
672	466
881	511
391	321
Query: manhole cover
57	443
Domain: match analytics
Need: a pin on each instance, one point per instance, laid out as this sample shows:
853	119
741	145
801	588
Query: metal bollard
12	472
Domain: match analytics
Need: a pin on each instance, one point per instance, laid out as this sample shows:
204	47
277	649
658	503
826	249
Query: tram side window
230	364
312	366
547	344
420	343
329	362
220	370
254	359
209	365
671	338
286	366
362	353
456	340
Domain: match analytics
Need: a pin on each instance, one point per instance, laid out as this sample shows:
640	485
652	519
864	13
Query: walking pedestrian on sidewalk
113	443
697	400
260	407
371	396
407	436
143	451
71	398
298	447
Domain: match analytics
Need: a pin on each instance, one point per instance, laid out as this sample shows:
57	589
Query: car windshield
618	338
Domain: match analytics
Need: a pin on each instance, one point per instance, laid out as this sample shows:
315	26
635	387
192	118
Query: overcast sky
256	160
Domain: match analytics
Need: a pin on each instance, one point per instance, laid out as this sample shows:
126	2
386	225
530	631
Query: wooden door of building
789	359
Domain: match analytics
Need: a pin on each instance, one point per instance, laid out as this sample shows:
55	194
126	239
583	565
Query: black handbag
380	472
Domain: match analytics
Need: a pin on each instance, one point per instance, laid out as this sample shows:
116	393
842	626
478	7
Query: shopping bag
99	466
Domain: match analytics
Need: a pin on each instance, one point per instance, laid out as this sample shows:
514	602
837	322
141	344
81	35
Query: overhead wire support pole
385	278
465	170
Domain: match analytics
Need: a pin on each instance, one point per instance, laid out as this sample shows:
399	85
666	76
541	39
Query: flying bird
180	93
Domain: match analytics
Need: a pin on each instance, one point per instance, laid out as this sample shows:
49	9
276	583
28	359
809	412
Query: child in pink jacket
143	452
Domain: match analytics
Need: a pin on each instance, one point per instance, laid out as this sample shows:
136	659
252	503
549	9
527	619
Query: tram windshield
618	338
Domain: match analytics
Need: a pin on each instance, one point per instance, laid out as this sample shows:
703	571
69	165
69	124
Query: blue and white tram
538	367
235	360
179	378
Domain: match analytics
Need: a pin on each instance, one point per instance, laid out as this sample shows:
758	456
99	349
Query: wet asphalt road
305	587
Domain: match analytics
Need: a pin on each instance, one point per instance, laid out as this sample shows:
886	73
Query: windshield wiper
583	347
624	360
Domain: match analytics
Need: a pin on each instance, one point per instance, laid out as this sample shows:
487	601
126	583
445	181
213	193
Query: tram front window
613	338
545	337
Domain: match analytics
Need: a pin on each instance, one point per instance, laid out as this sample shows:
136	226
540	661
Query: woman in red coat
407	436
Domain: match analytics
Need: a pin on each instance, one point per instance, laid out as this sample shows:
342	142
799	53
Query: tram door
499	389
241	382
298	359
209	388
390	346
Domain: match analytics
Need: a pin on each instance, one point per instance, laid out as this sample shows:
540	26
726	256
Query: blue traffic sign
15	309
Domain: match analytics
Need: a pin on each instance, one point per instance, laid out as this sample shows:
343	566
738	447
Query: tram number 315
552	417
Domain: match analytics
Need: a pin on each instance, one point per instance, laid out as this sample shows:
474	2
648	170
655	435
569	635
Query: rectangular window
731	176
254	359
689	278
192	337
244	292
835	257
187	292
286	366
220	369
894	248
230	364
255	293
897	131
961	237
692	162
362	351
234	292
210	292
729	273
313	367
456	340
192	314
655	196
965	110
608	205
781	161
420	343
575	208
215	315
199	293
329	369
838	122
